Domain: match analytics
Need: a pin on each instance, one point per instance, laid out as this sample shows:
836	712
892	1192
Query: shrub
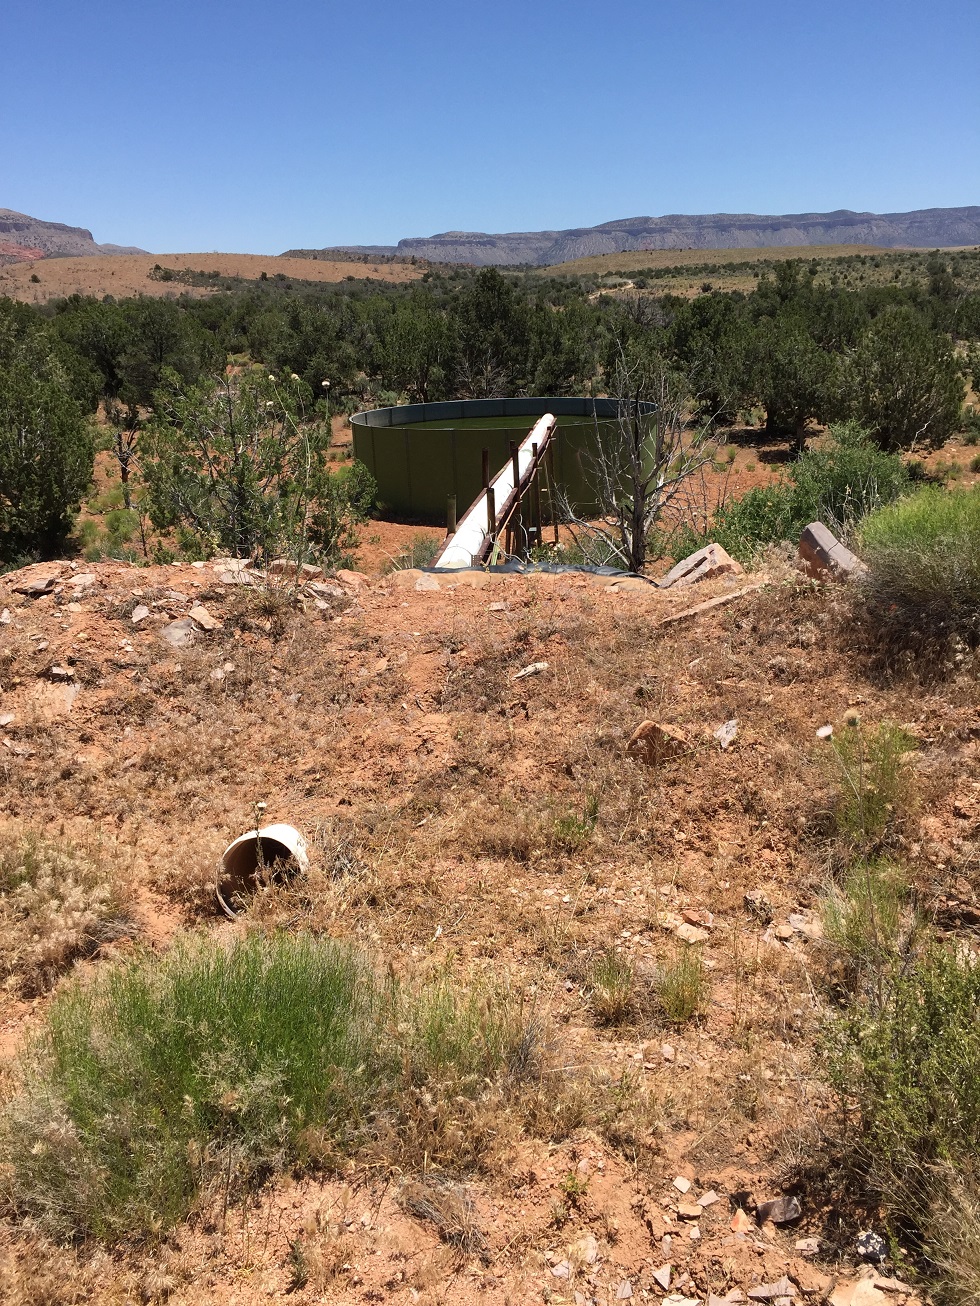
239	464
923	583
421	551
46	447
864	922
164	1081
903	381
838	485
910	1061
874	776
56	905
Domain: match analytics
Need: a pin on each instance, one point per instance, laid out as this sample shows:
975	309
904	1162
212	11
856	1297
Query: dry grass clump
56	904
37	1272
450	1208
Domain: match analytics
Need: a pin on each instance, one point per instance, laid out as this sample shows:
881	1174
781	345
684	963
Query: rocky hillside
24	239
922	228
456	750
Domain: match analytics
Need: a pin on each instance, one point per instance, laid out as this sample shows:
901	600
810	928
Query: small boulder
35	588
355	579
404	578
705	564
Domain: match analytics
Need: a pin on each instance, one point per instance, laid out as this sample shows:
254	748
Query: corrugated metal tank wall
416	469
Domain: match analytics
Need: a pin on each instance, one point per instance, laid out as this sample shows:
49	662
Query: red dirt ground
392	716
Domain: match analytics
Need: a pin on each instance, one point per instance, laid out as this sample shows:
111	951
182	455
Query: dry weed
57	904
36	1272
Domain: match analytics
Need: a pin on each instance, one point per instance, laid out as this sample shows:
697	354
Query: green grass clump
167	1080
612	991
572	829
923	583
682	986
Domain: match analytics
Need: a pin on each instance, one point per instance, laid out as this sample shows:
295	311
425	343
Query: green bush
923	581
166	1080
421	551
844	481
838	485
910	1060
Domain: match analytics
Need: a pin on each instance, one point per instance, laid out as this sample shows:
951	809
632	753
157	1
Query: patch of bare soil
494	823
124	275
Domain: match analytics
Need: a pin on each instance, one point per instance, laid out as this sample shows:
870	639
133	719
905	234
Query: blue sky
252	127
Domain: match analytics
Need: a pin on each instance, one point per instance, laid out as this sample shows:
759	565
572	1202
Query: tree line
793	350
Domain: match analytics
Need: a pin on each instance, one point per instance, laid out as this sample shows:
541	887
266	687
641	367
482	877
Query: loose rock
533	670
704	564
652	743
783	1287
585	1251
180	633
759	905
781	1210
725	734
871	1247
204	619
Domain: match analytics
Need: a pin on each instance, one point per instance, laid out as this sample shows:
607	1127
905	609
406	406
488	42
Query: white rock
534	669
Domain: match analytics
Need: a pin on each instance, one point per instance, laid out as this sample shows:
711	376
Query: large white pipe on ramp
463	549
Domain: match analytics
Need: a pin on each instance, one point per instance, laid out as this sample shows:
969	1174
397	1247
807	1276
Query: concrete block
823	555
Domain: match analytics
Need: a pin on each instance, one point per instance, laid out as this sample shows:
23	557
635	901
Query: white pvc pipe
464	548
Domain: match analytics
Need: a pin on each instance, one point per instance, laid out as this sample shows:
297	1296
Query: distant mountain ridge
23	239
920	228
